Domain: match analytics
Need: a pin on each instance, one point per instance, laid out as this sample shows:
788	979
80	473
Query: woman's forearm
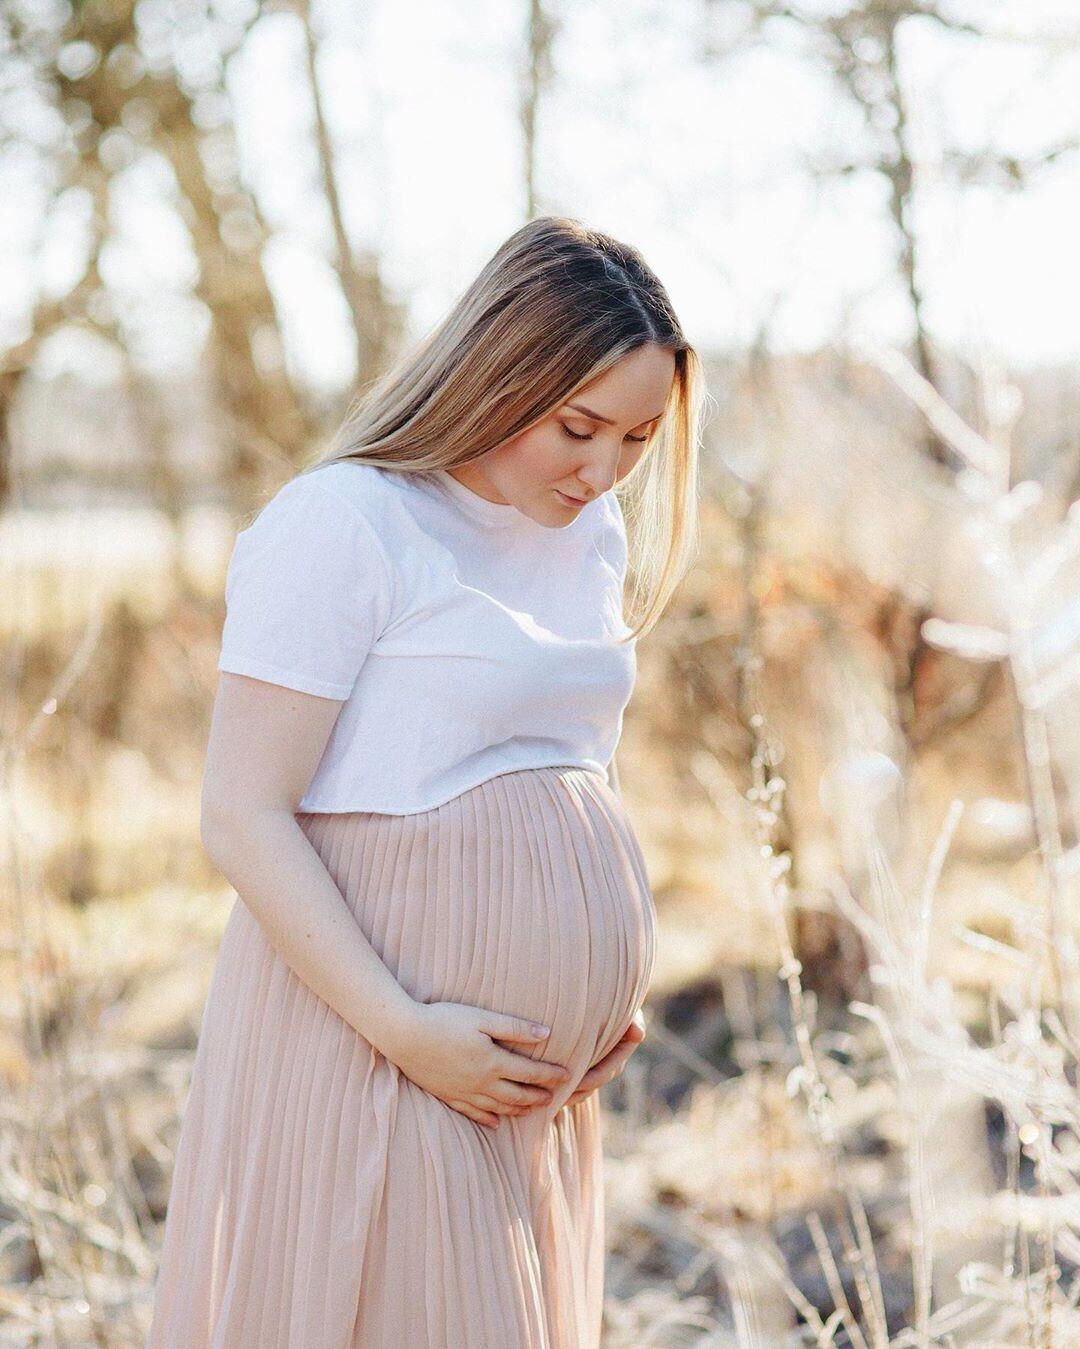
281	878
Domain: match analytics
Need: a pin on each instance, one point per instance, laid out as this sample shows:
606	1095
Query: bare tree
107	88
542	29
860	47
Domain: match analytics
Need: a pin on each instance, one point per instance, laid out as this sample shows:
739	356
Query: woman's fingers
517	1094
486	1117
513	1067
611	1065
507	1104
517	1097
534	1081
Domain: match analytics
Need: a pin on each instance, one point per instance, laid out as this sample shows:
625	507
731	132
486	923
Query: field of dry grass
853	1120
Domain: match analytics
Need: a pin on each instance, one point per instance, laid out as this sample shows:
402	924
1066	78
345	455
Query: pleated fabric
320	1198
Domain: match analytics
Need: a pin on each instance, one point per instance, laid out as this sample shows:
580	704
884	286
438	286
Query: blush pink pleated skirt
320	1198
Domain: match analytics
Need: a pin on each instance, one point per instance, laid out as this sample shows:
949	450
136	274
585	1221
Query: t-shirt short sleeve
307	592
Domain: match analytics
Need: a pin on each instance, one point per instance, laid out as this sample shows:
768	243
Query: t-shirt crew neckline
491	512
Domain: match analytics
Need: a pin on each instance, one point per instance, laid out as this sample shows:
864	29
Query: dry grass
854	1120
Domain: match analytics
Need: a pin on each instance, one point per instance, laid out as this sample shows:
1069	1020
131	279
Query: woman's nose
600	475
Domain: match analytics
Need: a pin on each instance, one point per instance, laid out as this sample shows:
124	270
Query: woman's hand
449	1049
612	1064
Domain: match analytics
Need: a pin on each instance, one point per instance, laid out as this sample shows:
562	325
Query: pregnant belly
527	894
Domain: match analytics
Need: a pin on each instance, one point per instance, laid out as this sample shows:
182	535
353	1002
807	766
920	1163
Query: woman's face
582	448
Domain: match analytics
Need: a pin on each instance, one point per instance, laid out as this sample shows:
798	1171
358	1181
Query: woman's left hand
612	1064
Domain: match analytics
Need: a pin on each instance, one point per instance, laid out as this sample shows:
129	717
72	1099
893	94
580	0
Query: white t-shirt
464	639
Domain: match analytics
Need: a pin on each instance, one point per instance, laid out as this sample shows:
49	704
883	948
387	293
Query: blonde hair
555	307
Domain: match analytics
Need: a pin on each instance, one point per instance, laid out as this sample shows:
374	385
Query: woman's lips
570	501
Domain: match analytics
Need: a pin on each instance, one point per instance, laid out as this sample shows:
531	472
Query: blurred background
853	758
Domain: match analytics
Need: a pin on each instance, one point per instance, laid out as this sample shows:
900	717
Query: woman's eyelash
640	440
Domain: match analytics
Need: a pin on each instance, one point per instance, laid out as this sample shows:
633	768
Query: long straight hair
556	306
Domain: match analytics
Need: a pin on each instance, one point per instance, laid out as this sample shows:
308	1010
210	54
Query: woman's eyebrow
579	407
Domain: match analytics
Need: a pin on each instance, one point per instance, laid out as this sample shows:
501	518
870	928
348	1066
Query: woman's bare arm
265	743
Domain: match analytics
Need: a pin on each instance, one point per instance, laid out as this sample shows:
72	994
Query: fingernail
539	1030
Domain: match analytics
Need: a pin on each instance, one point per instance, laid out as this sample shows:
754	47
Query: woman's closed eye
639	440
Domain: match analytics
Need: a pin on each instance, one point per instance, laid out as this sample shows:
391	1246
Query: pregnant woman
443	931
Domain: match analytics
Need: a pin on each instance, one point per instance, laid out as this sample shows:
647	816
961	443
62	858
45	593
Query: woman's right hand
450	1049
